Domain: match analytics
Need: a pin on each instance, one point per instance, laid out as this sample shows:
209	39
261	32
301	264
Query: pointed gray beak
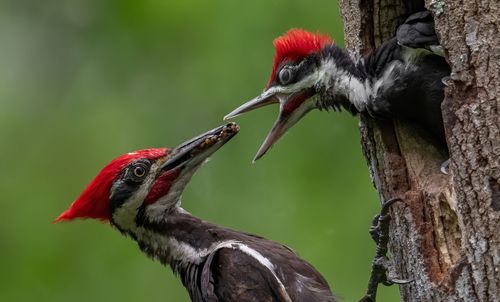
293	107
264	99
197	149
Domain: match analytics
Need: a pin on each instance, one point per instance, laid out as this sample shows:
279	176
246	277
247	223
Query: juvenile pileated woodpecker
403	78
400	79
139	193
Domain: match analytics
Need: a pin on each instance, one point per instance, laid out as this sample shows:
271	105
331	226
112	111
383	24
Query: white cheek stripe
359	92
125	215
328	75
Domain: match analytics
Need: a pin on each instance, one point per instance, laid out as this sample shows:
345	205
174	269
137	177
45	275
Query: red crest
93	202
296	44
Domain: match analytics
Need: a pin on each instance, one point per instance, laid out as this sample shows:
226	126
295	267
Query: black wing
414	93
230	275
418	32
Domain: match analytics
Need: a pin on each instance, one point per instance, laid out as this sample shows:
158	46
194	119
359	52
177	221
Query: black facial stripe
140	218
307	66
127	184
342	59
298	71
122	191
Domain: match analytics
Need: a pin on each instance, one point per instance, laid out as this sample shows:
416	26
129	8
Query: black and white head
145	185
309	72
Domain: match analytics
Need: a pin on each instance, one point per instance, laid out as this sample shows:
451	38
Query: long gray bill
264	99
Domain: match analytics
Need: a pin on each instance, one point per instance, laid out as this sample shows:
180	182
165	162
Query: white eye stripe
125	215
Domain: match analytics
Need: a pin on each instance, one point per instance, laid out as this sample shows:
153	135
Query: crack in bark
495	193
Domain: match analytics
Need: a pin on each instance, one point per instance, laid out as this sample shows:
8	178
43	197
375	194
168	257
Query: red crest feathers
93	202
296	44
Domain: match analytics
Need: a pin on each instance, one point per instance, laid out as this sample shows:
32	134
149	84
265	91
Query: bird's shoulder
239	273
262	270
417	31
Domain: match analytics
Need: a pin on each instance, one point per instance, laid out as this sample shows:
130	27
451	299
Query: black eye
138	171
285	75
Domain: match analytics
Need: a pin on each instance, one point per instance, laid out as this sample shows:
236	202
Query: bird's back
252	268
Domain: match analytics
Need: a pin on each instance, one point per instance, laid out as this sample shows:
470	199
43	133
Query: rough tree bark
446	235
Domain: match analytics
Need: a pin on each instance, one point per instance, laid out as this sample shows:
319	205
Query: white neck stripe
184	253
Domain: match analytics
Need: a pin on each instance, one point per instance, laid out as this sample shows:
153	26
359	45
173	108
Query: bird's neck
344	84
177	239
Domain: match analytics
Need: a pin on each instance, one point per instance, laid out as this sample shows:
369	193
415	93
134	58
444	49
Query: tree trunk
446	235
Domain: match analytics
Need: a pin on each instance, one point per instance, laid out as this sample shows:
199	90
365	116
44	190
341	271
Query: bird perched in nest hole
403	78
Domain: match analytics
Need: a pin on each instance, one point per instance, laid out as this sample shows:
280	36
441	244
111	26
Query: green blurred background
84	81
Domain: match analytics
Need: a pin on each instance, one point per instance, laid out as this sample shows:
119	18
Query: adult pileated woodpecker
139	193
402	78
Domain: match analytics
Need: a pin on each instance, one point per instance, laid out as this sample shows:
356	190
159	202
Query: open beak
194	151
293	107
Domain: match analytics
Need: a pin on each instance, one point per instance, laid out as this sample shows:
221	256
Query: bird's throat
178	240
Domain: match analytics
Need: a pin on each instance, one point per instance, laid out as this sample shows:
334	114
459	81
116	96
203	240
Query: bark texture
446	235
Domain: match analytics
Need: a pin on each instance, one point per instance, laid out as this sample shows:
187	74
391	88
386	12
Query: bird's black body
139	194
413	91
227	266
418	31
417	90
